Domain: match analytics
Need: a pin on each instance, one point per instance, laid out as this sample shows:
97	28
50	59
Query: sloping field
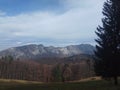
84	85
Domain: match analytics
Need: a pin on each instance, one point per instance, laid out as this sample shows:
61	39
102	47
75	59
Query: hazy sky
48	22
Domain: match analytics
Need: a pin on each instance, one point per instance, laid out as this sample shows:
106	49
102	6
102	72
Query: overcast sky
48	22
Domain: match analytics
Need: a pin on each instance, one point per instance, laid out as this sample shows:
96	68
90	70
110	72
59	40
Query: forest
46	72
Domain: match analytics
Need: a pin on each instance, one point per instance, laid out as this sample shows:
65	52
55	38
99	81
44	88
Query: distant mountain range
40	51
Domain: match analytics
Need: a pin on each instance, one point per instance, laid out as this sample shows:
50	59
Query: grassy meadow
84	85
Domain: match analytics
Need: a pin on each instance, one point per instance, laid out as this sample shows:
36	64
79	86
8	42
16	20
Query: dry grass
35	82
19	81
88	79
93	83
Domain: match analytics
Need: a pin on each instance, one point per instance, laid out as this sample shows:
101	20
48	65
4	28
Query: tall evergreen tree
107	63
57	74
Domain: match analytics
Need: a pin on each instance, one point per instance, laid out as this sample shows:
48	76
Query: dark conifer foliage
107	63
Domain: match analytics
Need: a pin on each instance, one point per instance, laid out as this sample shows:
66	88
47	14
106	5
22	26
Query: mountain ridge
33	51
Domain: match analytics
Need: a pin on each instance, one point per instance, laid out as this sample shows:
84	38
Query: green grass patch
88	85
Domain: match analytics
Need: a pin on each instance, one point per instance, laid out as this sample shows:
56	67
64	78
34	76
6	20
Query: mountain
40	51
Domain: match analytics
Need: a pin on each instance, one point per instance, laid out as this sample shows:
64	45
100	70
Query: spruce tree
107	61
57	74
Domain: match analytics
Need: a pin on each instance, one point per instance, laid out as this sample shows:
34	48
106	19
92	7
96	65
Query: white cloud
18	43
78	22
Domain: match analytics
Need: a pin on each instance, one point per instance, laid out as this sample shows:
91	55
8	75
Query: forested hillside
68	69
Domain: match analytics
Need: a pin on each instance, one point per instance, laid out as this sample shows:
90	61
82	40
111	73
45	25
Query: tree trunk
116	80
